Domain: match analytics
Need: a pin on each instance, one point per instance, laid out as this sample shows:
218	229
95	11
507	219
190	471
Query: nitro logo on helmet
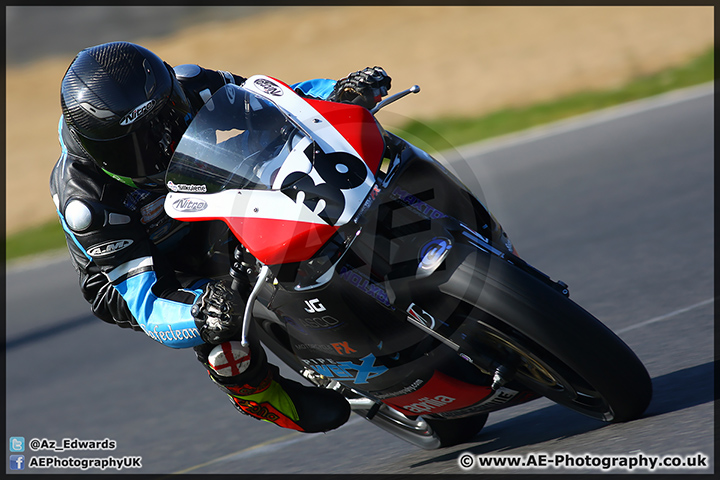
189	205
181	187
138	112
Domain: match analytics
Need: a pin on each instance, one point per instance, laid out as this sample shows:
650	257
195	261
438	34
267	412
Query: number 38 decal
342	176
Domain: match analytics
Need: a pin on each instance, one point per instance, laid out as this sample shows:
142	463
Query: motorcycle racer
124	111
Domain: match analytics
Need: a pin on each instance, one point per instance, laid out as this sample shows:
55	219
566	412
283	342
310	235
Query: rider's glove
364	87
217	313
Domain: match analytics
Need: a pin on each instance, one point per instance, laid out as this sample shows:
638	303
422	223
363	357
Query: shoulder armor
82	215
78	215
187	71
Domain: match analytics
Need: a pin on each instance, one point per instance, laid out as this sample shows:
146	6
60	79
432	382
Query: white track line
586	120
37	261
264	447
665	317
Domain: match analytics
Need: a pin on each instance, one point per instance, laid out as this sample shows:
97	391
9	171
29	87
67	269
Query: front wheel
548	343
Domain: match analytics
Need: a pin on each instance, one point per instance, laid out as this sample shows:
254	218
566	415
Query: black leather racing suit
138	267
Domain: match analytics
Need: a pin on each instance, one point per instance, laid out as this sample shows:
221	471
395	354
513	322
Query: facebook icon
17	462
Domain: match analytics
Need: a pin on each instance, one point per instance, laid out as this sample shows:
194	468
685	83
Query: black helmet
127	109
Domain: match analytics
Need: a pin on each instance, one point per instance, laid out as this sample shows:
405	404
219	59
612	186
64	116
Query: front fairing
360	230
284	173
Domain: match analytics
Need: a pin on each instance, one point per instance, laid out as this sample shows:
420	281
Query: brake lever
393	98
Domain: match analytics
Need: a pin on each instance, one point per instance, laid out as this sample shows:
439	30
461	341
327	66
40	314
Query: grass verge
439	134
43	238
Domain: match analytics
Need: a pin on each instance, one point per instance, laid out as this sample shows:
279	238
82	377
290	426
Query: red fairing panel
357	125
274	241
440	394
271	240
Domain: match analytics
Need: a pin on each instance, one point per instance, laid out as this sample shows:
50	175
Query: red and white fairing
273	227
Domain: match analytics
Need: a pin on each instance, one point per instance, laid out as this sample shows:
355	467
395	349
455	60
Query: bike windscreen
238	140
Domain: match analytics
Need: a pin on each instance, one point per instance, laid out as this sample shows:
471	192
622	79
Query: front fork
501	370
241	272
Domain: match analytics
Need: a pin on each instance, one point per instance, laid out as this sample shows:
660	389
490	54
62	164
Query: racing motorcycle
377	273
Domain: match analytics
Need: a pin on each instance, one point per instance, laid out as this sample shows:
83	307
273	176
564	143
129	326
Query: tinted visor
146	150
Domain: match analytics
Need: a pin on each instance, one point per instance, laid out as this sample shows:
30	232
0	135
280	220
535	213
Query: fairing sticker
439	394
347	371
273	227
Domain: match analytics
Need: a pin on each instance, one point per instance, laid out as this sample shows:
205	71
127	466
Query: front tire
554	346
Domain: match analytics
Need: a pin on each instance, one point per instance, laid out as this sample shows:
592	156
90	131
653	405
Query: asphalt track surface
618	204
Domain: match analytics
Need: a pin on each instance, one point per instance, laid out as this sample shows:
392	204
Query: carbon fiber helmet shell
127	109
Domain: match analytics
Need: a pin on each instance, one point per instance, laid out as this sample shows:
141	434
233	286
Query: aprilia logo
137	112
189	205
109	248
427	404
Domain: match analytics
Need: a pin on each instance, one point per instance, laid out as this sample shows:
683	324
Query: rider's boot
256	389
